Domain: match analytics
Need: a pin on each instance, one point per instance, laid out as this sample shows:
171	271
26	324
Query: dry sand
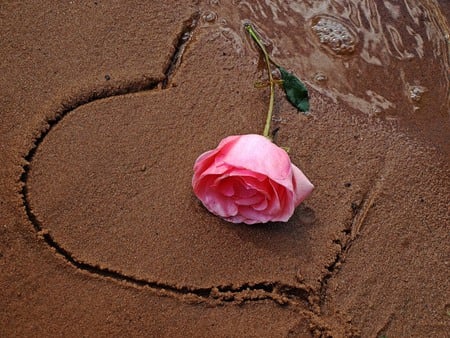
101	235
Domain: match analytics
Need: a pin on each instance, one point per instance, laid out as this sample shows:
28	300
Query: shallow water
386	59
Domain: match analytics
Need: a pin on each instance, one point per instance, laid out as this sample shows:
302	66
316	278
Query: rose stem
268	60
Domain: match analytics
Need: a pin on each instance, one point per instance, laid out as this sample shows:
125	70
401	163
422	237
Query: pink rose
249	179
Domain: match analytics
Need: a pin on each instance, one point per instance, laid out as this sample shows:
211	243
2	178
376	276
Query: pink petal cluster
249	179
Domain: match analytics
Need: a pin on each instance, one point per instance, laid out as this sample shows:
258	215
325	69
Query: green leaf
296	91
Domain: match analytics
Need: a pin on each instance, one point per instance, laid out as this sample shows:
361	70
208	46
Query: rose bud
249	179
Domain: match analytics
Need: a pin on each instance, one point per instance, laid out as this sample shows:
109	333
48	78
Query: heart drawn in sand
109	187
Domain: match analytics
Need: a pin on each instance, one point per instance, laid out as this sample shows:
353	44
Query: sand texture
105	106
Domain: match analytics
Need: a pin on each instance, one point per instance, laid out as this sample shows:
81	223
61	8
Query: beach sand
104	109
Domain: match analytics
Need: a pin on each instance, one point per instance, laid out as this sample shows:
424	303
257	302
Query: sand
104	109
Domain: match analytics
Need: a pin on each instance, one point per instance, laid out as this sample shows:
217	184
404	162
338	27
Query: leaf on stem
296	91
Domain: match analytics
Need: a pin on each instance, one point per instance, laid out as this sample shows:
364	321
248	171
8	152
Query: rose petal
245	173
253	216
302	186
204	164
219	204
262	187
256	199
258	154
242	189
261	205
249	179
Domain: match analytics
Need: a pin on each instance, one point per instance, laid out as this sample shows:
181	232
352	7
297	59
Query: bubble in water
209	16
416	93
375	111
320	77
333	34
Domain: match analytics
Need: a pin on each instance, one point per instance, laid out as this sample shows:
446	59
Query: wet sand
104	109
